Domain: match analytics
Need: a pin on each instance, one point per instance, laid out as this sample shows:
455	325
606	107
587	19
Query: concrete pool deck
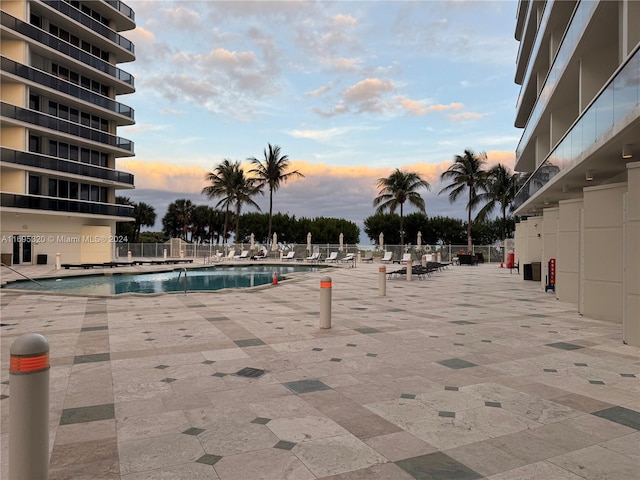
471	373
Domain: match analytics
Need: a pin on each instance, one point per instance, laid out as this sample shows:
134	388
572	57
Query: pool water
212	278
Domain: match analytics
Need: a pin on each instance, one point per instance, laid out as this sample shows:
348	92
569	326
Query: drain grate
249	372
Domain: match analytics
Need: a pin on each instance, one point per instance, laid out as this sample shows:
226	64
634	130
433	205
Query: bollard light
58	260
29	405
409	270
325	302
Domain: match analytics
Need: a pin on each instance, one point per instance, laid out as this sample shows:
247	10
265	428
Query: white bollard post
382	281
129	256
164	253
29	406
58	260
439	257
409	270
181	253
325	302
424	261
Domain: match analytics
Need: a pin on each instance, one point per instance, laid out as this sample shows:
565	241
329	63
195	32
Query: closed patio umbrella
341	242
274	247
253	241
381	240
419	244
309	242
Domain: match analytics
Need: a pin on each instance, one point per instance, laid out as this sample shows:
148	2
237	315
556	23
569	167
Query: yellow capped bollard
325	302
409	270
29	405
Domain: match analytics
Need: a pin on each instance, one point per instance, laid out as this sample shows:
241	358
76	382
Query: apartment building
579	107
58	130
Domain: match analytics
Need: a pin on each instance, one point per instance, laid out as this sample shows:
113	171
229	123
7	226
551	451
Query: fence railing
490	253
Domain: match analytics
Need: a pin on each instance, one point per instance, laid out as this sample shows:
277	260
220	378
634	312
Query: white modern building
579	106
58	130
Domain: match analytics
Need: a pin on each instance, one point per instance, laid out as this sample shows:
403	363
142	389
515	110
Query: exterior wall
12	181
14	94
61	234
568	265
520	236
602	237
549	239
13	137
631	294
534	239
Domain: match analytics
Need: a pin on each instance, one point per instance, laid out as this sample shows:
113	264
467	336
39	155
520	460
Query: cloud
320	135
320	91
422	107
463	116
140	128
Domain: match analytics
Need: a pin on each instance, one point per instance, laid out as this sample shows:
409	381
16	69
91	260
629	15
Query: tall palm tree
398	188
502	186
145	215
184	215
229	181
272	171
466	173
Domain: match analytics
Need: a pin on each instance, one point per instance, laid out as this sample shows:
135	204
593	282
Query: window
63	150
95	158
84	191
34	144
34	102
73	190
95	193
103	194
53	187
53	148
104	159
73	153
73	115
84	155
36	21
85	119
34	185
63	188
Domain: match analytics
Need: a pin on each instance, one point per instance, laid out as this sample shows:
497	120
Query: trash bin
536	268
41	259
527	271
511	262
6	258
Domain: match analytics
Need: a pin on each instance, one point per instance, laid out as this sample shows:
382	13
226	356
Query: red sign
552	271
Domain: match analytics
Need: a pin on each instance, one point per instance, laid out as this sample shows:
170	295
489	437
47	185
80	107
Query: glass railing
35	202
619	97
580	18
64	126
92	24
62	165
65	48
524	32
122	8
63	86
536	48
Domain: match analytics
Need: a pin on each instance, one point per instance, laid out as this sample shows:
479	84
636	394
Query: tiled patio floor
471	373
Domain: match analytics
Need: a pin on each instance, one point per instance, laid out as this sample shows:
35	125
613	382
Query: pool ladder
25	276
185	278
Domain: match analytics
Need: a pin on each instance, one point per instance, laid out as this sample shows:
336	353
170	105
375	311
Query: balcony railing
122	8
63	86
577	25
536	47
62	165
35	202
616	100
64	126
92	24
65	48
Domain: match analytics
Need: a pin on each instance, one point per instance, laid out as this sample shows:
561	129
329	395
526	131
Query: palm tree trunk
469	241
401	225
226	220
270	213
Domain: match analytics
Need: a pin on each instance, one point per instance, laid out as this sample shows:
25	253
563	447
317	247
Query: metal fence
489	253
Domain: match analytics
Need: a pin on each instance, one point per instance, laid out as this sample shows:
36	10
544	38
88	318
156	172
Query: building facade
579	105
58	130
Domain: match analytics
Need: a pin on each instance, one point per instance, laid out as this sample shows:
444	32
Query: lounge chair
333	257
243	256
405	258
230	255
388	256
368	256
314	258
349	257
289	256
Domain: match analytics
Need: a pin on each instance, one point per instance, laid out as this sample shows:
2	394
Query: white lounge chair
230	255
368	256
289	256
243	256
349	257
405	258
333	257
314	258
387	257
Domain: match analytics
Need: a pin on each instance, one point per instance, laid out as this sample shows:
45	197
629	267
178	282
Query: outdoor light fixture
589	176
627	151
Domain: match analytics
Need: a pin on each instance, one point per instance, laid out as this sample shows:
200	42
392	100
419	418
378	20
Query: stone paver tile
628	445
598	427
158	452
366	426
401	411
154	425
484	458
90	413
185	471
85	432
536	471
399	445
272	464
596	462
93	452
101	470
289	406
582	403
437	466
385	471
538	409
335	455
299	429
621	415
449	400
229	436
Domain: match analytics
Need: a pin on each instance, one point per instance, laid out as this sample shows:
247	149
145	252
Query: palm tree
398	188
466	173
229	182
145	215
501	189
272	171
184	215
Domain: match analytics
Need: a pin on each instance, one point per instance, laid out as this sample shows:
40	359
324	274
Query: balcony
29	159
619	98
63	126
34	202
122	8
66	48
68	88
93	25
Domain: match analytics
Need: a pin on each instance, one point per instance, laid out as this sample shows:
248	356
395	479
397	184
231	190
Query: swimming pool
211	278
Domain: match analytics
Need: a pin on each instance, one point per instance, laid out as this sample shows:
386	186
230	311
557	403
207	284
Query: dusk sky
348	90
